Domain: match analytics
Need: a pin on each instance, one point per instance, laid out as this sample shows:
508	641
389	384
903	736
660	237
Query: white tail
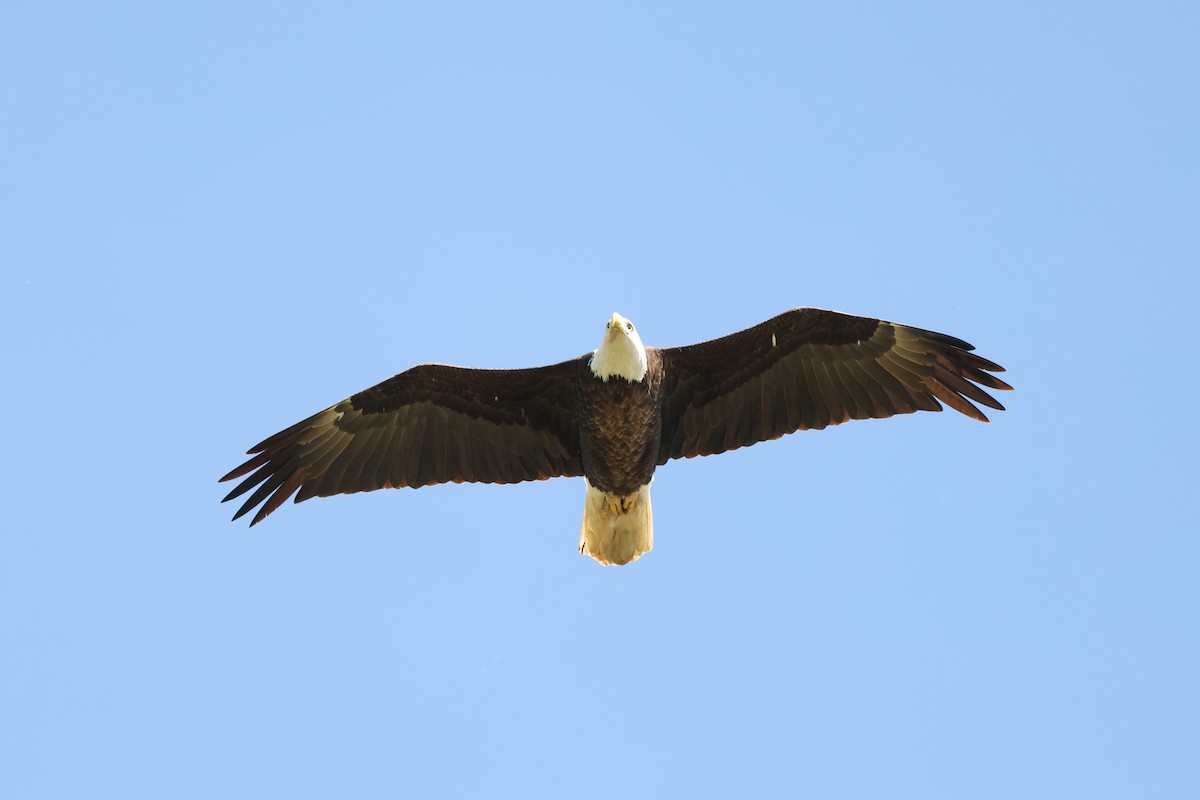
616	530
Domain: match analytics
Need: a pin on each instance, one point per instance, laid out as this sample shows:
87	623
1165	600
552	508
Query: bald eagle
613	415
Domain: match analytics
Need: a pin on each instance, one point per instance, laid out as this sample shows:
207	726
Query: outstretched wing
432	424
809	368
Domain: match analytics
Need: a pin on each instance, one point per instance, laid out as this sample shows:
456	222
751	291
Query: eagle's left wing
809	368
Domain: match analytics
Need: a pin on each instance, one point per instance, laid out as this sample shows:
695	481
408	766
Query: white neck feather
620	355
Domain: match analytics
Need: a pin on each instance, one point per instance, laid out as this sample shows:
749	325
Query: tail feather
616	530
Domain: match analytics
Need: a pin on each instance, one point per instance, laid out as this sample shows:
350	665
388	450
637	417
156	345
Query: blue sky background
219	218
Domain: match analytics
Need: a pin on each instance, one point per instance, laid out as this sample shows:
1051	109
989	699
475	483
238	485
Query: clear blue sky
218	218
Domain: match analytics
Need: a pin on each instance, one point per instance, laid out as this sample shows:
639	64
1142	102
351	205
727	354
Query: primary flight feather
615	414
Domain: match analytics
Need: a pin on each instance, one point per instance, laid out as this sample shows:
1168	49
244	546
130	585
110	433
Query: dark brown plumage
806	368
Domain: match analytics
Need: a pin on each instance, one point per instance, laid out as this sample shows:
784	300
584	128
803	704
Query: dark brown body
620	428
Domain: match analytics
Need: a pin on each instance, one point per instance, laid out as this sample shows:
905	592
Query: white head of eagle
621	353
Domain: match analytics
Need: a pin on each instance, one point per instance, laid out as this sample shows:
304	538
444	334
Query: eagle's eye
629	326
607	325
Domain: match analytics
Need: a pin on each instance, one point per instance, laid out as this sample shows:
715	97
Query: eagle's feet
618	504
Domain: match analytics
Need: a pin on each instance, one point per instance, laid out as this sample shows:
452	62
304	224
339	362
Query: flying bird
615	414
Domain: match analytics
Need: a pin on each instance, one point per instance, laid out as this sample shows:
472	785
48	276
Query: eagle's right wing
431	424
